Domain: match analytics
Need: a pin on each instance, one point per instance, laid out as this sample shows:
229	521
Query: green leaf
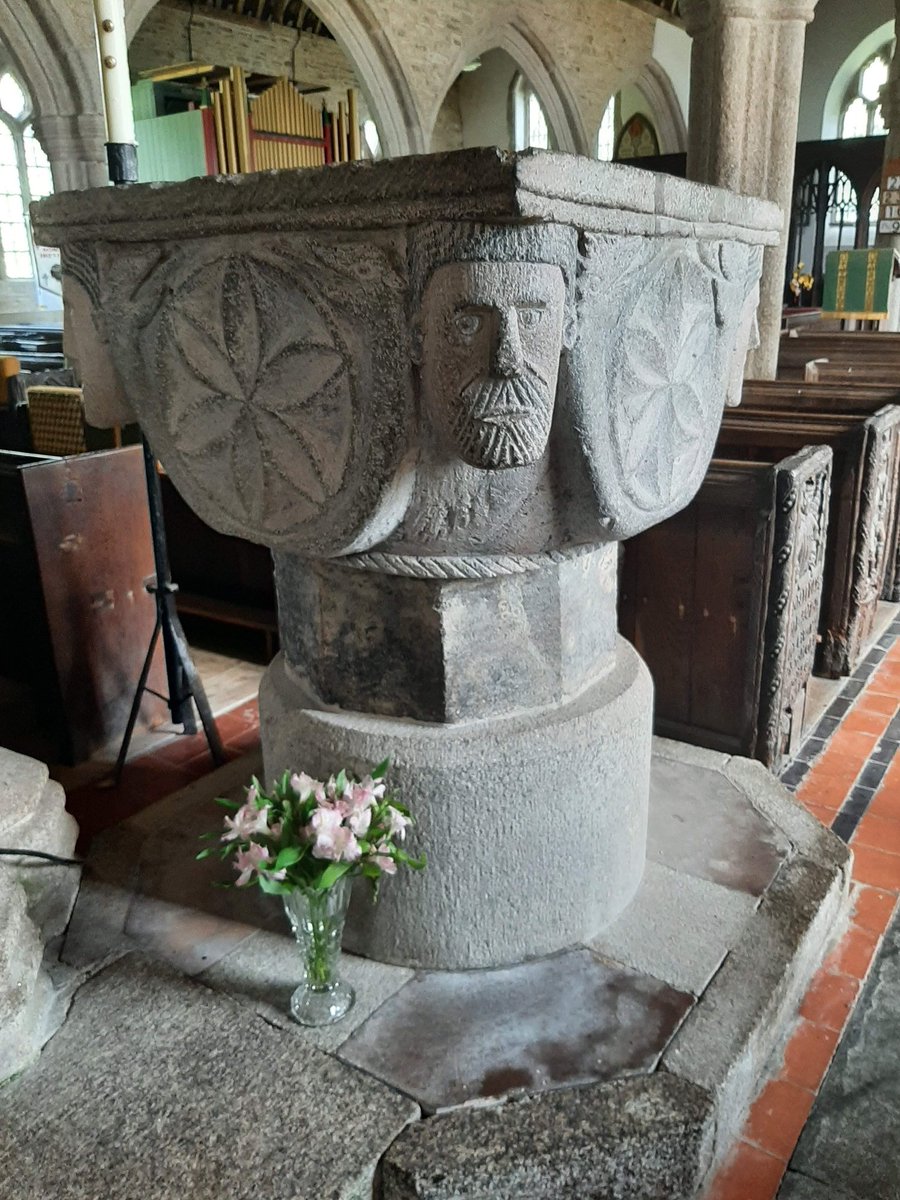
205	853
226	803
381	770
332	873
287	857
274	887
340	784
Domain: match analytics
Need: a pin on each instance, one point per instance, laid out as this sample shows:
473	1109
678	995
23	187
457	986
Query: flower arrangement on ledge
305	840
800	283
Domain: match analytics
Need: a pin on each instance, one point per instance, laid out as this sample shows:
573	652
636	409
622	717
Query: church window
861	115
24	176
606	138
637	138
530	125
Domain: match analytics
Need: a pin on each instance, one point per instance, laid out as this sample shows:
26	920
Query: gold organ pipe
353	120
222	162
228	123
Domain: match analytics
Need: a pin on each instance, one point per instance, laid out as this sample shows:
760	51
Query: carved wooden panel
722	601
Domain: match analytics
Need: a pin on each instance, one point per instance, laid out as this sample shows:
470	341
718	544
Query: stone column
74	146
746	66
441	405
890	108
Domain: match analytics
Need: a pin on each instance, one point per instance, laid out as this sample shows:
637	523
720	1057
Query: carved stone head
489	333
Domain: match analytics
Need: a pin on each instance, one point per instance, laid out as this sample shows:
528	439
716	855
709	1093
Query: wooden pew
865	371
723	599
842	397
864	474
846	349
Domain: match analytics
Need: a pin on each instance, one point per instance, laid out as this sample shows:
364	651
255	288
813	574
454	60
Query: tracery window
24	176
637	138
530	125
861	115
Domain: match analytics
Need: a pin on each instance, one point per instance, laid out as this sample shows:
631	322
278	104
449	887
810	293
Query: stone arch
669	120
56	63
855	60
537	64
359	34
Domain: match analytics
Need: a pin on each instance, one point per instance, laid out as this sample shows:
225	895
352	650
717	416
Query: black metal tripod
183	681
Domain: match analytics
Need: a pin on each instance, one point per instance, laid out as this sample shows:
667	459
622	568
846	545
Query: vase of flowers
306	840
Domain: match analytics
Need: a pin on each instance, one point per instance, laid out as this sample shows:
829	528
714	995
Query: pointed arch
662	98
359	34
536	63
56	63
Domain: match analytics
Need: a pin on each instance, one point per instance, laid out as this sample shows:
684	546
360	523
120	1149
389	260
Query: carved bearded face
492	334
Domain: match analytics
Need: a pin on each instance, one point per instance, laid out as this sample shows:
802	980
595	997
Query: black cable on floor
54	858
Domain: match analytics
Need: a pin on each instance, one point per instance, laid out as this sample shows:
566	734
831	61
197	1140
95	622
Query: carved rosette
660	327
260	372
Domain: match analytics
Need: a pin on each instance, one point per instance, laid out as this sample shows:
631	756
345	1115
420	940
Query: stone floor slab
555	1022
851	1136
641	1139
701	824
800	1187
159	1087
265	969
678	928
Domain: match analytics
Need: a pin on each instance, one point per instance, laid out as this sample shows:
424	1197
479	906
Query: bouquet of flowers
800	282
306	834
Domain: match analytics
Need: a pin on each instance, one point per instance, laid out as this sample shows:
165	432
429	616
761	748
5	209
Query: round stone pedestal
534	823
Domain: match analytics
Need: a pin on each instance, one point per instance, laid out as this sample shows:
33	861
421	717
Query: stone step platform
36	899
621	1068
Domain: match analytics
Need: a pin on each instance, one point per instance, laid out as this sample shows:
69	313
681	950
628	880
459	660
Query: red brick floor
754	1169
151	776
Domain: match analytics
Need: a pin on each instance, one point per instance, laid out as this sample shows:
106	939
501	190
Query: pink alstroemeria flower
304	784
398	823
247	821
252	859
332	839
382	859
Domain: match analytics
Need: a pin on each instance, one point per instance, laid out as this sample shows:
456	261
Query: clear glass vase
317	919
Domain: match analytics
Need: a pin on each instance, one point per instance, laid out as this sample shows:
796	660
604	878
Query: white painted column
746	64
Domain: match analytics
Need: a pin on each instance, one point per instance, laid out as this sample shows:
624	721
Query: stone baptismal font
441	390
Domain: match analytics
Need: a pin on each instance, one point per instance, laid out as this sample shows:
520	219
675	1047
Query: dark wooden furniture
722	601
864	476
75	554
842	397
220	578
841	349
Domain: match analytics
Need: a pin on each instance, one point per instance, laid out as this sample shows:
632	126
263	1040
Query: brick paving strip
847	774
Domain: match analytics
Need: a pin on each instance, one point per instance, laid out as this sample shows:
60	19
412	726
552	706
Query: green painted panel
857	283
171	148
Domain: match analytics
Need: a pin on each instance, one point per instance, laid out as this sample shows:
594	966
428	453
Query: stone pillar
746	66
74	146
441	406
890	108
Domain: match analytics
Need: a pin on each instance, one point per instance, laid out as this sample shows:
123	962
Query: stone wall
171	35
405	55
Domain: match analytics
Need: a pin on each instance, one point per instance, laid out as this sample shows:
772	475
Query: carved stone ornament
535	369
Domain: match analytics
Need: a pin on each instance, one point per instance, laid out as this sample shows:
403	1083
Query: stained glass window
24	176
638	138
862	115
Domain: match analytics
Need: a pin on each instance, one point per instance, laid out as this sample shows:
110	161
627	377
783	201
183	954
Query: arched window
606	137
637	138
529	121
371	138
24	176
861	115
